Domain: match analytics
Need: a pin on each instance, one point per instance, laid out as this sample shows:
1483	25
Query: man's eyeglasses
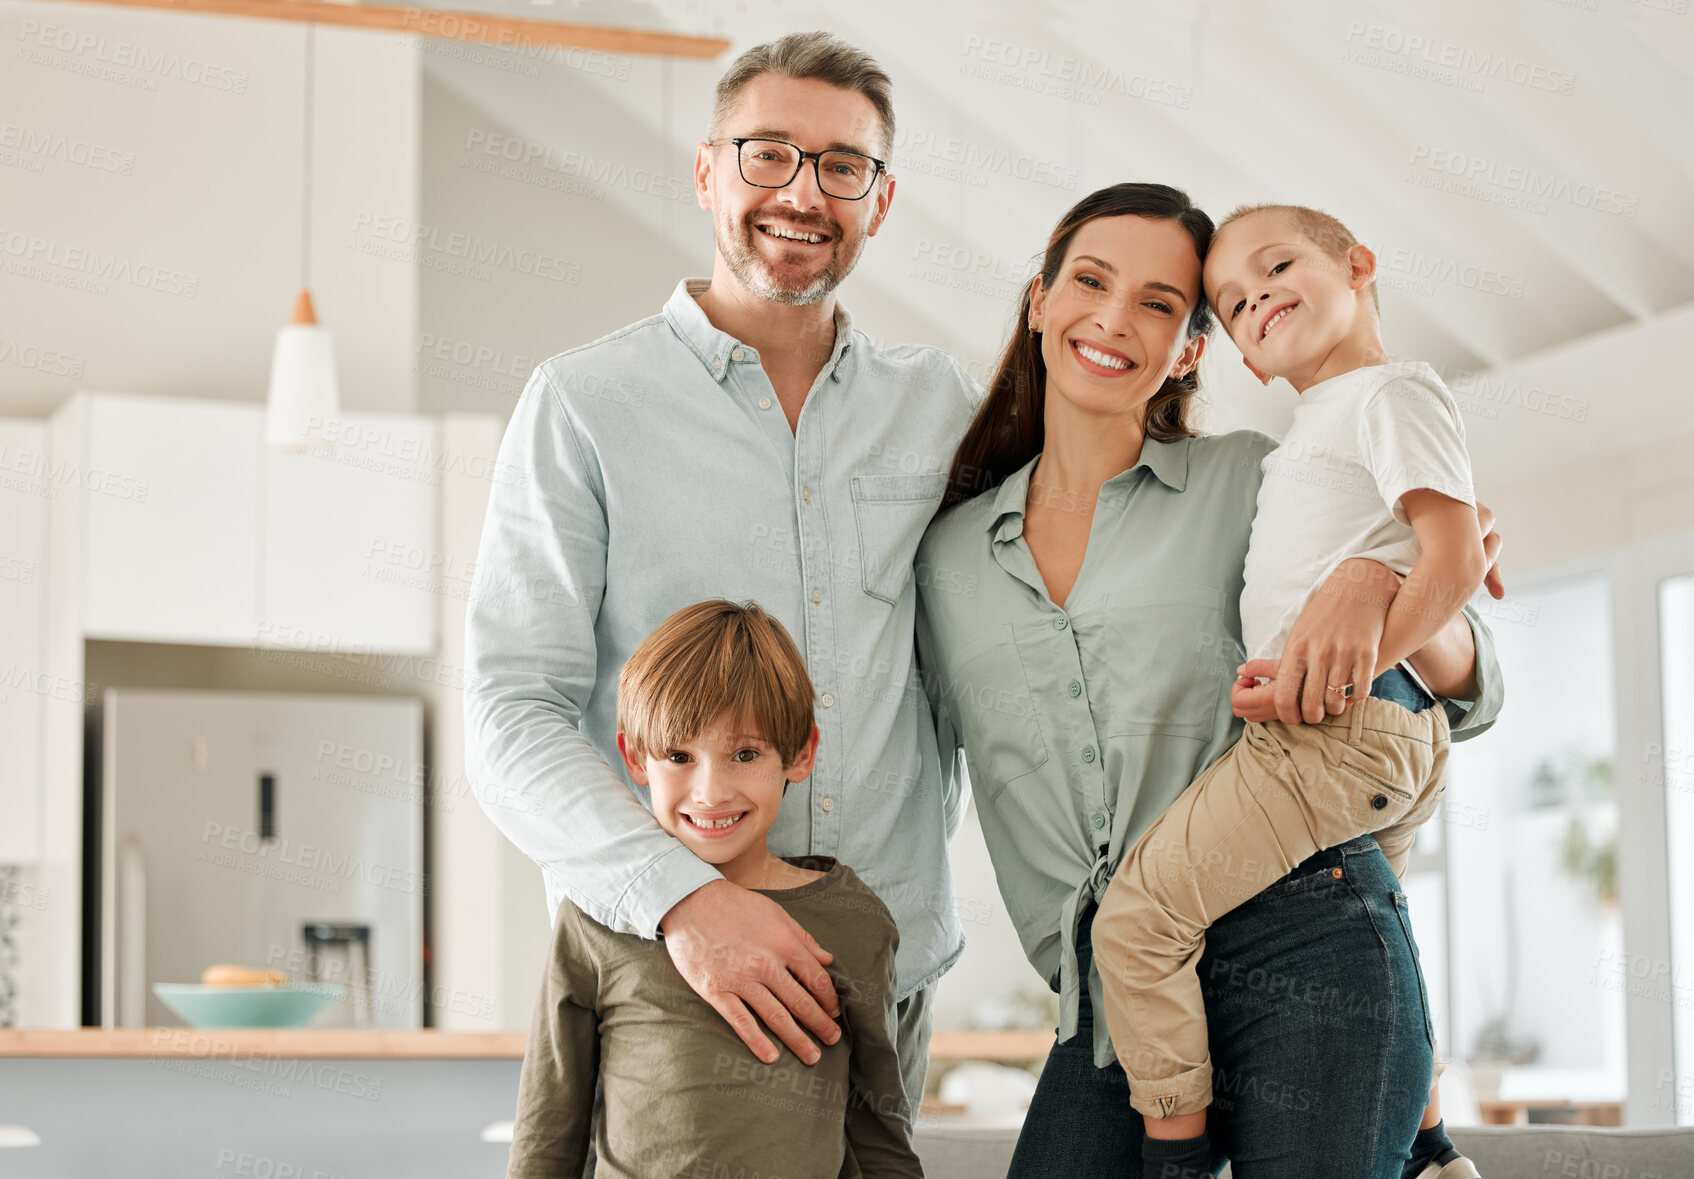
774	163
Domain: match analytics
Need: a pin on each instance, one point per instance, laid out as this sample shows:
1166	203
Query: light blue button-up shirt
659	470
1081	724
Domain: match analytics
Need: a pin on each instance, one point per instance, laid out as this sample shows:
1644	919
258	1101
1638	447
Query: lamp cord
306	168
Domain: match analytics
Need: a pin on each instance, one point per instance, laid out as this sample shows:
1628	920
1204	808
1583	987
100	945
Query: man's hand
738	949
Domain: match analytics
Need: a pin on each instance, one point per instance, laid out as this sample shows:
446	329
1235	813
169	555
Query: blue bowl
203	1006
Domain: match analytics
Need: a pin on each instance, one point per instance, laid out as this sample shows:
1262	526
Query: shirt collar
1168	461
715	348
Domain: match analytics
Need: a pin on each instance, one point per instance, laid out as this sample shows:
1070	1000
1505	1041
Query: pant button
1336	872
1379	802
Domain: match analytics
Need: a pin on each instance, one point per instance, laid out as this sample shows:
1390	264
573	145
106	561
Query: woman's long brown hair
1008	429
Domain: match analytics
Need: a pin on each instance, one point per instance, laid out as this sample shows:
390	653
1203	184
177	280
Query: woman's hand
1276	698
1332	644
1491	543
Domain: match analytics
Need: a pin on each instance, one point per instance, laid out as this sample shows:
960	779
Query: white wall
204	135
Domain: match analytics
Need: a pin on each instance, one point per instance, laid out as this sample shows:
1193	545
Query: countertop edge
305	1043
370	1044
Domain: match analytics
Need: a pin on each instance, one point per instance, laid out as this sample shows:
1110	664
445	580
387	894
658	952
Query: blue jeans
1321	1041
1402	689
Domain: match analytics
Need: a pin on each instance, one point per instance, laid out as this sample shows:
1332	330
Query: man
745	443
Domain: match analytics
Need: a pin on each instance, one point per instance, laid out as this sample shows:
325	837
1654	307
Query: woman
1084	675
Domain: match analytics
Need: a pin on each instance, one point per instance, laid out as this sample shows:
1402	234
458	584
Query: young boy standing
714	721
1374	466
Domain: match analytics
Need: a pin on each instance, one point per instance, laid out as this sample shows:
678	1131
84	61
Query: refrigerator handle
132	935
267	806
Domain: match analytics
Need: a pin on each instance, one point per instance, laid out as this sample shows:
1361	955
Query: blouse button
1099	820
764	403
1061	622
1088	753
1075	688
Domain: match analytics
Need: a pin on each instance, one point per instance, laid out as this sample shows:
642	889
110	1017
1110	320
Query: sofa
1500	1152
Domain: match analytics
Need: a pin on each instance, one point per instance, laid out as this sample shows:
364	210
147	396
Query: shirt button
826	699
828	804
806	494
1088	753
817	595
736	354
764	403
1099	820
1075	688
1061	622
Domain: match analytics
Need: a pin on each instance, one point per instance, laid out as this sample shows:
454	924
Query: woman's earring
1032	329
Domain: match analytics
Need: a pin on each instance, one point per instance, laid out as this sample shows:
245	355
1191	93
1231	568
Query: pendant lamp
303	392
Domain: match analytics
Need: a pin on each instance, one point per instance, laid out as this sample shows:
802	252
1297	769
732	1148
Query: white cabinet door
172	493
350	555
24	678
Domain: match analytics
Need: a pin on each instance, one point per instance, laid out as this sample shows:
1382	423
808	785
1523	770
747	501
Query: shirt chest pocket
998	715
890	513
1168	658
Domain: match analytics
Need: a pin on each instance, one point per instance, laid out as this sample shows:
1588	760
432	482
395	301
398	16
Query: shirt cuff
656	891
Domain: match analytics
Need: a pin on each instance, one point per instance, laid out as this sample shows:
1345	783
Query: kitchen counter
356	1044
300	1043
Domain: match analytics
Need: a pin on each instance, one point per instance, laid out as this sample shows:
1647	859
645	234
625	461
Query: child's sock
1176	1158
1430	1146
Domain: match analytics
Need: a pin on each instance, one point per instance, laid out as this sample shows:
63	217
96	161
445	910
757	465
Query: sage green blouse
1080	724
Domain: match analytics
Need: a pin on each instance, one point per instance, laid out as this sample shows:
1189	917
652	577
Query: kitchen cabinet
349	538
194	531
24	489
171	514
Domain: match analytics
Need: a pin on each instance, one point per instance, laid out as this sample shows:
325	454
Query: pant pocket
1403	913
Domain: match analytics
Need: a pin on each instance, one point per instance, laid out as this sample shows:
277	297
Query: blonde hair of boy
708	657
1325	232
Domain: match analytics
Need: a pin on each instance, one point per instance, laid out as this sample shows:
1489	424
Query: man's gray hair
819	56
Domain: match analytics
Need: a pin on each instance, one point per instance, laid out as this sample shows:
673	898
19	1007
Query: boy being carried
1374	466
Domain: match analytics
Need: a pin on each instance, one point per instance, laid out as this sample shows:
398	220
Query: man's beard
750	268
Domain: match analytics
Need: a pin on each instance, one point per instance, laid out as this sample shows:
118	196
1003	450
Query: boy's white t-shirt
1331	491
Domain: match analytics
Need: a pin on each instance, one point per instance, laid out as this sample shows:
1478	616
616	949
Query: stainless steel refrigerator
263	829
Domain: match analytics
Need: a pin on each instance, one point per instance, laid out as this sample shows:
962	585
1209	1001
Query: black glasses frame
817	164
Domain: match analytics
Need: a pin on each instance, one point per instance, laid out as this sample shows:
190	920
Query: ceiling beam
451	25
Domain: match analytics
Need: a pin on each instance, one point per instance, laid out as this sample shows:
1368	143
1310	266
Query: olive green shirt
1081	724
683	1096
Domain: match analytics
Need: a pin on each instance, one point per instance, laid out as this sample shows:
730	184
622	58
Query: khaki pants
1281	794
